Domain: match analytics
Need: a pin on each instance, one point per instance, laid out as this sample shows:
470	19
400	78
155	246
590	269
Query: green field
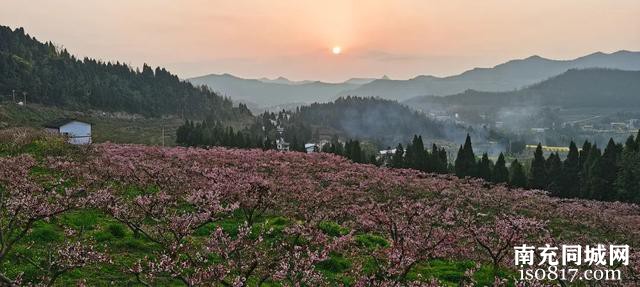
107	127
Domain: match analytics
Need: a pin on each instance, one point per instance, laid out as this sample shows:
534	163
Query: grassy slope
106	126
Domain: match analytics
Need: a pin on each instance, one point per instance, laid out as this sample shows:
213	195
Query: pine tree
398	157
437	162
554	173
465	164
584	153
570	171
609	167
627	183
421	154
444	161
484	167
500	171
632	144
410	156
595	184
415	157
353	151
518	176
538	176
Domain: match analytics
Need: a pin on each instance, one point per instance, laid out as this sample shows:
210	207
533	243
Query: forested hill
373	118
52	76
378	121
574	88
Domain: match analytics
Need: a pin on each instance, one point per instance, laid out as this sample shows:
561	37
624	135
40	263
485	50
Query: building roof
61	122
388	151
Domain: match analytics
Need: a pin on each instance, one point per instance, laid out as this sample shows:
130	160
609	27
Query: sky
294	38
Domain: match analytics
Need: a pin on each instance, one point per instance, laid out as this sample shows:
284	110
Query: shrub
332	228
35	141
371	241
117	230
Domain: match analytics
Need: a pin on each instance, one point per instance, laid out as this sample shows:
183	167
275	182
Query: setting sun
336	50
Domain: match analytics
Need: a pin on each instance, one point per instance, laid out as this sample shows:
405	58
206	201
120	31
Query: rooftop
62	121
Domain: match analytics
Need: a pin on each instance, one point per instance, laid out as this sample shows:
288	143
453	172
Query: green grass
452	272
107	127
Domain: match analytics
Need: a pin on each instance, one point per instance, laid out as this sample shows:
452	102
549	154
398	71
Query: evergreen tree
518	175
627	183
538	176
595	184
484	167
609	165
420	153
554	173
437	162
570	171
584	153
398	157
416	156
588	159
465	164
500	171
410	156
632	144
353	151
444	161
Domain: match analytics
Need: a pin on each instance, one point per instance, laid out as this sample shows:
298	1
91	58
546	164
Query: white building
78	132
311	147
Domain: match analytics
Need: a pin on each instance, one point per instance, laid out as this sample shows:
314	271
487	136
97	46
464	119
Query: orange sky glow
295	38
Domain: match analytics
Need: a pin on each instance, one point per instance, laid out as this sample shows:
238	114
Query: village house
311	147
78	132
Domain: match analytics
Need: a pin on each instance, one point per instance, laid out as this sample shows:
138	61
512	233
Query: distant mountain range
271	92
584	88
504	77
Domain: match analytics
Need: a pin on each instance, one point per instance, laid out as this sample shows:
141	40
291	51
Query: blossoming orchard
150	216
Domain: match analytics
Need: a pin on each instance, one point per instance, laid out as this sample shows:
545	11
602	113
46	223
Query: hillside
115	127
597	88
385	121
379	122
49	75
139	215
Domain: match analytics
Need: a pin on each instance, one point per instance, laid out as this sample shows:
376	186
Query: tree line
415	156
50	75
214	133
589	172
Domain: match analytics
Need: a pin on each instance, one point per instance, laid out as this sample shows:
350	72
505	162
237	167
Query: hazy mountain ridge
269	93
504	77
593	87
507	76
283	80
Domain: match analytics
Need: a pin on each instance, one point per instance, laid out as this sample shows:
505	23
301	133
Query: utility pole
13	94
24	94
163	136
